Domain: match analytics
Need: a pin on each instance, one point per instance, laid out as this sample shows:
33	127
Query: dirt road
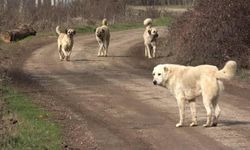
121	107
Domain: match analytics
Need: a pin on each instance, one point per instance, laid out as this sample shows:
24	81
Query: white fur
186	83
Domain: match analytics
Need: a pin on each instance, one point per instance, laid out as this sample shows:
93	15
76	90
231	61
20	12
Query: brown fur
65	43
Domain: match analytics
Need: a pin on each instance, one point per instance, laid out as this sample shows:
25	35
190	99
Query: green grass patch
33	130
163	21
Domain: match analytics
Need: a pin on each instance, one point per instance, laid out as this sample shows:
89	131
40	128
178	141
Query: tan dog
65	43
186	83
150	35
103	37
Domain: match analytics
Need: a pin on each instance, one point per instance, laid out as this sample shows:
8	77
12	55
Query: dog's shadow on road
119	56
234	122
79	60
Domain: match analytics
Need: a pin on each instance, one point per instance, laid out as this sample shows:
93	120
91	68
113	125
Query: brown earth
111	103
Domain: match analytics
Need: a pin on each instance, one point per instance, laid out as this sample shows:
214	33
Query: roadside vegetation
161	21
25	125
213	32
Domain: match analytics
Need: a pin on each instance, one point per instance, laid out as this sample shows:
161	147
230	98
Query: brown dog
65	43
102	34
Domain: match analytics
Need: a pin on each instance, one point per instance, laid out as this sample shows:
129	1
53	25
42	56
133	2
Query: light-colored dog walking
186	83
103	38
150	36
65	43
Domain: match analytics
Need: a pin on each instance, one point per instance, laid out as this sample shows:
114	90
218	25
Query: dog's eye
159	74
153	74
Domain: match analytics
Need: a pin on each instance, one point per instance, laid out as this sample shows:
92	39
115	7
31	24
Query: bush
212	33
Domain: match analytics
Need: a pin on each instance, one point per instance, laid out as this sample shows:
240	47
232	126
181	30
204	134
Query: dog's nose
154	82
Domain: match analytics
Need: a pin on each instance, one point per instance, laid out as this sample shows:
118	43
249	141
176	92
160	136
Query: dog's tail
148	22
105	22
58	30
228	72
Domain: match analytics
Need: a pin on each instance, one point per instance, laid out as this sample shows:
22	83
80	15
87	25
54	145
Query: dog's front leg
100	49
181	105
105	47
148	51
193	112
68	55
154	49
61	55
64	53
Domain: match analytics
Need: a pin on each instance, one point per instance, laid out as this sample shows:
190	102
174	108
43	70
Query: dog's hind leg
208	106
193	112
181	105
217	111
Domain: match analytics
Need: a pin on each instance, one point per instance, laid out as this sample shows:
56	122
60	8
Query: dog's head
153	32
70	32
99	32
160	74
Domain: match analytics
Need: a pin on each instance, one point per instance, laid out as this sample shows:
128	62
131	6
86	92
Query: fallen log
17	34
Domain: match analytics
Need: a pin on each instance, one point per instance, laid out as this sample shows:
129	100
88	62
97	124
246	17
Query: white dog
103	37
186	83
150	35
65	43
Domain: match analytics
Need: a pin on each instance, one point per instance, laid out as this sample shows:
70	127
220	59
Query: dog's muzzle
155	82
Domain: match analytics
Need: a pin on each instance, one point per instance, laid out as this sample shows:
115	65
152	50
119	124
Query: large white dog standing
186	83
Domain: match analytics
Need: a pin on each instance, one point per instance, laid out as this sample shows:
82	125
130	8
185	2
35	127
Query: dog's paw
206	125
193	124
178	125
214	124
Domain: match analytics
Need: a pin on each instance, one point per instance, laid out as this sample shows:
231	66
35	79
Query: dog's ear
149	32
74	32
166	69
156	35
66	31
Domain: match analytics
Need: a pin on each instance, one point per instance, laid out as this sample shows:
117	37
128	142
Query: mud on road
110	103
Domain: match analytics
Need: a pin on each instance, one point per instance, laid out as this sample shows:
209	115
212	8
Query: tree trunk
18	34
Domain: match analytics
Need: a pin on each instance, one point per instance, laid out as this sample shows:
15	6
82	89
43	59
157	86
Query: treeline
46	14
161	2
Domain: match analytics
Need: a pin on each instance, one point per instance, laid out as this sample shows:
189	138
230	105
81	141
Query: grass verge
26	126
162	21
